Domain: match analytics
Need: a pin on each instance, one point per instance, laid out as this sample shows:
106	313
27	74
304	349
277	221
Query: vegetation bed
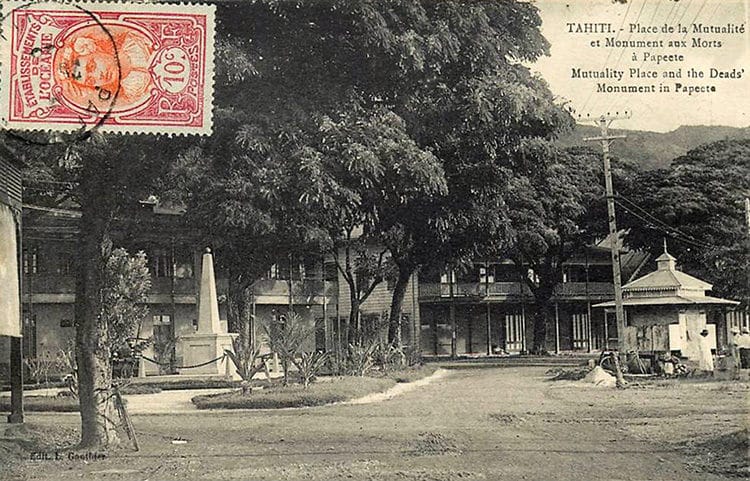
411	374
181	384
140	389
60	404
316	394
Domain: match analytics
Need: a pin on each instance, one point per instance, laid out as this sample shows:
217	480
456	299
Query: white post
208	313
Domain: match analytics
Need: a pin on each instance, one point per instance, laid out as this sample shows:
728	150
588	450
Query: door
514	331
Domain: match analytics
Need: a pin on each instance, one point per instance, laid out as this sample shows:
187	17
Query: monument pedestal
209	342
202	347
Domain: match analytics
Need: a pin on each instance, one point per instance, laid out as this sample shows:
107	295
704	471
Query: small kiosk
666	310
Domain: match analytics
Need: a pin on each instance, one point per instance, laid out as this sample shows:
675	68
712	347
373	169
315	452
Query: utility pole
606	139
489	313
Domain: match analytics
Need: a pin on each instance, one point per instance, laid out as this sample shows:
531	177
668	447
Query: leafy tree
697	205
125	287
472	103
362	165
103	175
552	214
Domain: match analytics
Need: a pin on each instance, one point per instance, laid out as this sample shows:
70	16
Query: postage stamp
116	67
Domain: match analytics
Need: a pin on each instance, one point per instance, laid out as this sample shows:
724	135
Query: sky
659	111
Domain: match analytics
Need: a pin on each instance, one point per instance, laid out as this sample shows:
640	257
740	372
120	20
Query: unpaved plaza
484	423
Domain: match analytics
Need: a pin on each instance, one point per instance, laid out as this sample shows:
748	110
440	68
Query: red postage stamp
117	67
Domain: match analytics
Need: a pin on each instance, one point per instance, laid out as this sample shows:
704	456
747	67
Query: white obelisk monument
208	342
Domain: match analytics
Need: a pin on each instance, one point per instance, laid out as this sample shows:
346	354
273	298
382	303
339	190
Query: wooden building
493	307
667	309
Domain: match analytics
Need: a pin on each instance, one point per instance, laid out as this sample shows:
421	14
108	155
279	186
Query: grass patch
317	394
61	404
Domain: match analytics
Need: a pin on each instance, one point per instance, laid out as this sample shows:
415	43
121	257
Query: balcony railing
49	284
163	285
276	287
55	284
566	290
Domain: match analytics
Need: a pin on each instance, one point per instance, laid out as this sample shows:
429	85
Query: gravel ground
494	423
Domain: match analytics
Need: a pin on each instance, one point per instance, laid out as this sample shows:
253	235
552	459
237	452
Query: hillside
655	150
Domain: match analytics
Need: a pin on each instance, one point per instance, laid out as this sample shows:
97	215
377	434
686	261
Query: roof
662	279
670	300
667	286
666	257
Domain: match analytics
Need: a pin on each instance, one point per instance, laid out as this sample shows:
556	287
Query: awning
670	300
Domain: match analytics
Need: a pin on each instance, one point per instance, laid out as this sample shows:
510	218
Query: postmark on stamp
117	67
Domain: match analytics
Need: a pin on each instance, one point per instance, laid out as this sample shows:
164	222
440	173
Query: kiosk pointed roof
666	276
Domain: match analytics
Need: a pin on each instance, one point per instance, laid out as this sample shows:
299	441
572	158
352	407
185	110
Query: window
486	274
65	264
160	263
183	263
162	320
284	269
444	279
468	276
29	335
507	273
30	260
320	334
574	274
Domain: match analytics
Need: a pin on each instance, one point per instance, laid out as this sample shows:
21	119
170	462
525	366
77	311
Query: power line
611	104
695	18
687	8
609	54
659	221
668	231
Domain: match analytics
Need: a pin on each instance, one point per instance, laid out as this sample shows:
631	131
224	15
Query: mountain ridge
656	150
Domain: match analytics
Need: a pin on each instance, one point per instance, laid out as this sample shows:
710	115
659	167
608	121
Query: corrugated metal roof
668	279
669	300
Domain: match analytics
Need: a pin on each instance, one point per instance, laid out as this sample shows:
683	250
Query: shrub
389	357
39	367
361	359
287	336
66	363
309	365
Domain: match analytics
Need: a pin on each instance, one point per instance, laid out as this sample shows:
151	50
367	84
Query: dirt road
471	424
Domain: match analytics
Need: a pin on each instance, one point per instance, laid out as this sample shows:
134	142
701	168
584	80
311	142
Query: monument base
199	348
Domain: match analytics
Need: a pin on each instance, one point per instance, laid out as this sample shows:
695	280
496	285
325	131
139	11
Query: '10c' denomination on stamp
117	67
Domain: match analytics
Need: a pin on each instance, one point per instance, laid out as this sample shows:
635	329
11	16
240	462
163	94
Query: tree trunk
542	299
241	322
92	351
353	329
397	302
